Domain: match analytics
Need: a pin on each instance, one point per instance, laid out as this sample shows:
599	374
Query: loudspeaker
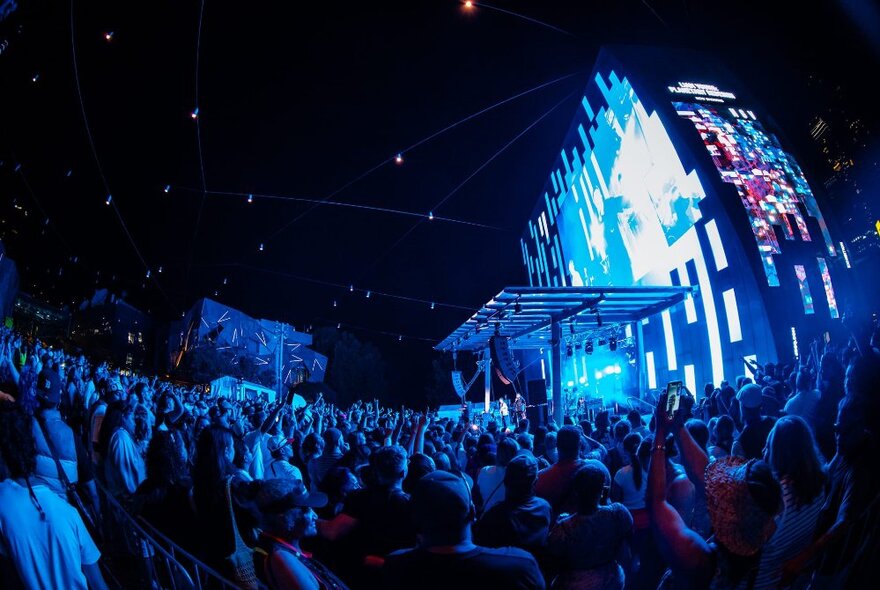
502	359
536	391
537	415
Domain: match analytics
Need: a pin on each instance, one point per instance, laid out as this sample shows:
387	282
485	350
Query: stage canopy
525	315
538	317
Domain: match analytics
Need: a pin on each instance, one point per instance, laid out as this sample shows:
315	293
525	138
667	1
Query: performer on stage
505	412
519	408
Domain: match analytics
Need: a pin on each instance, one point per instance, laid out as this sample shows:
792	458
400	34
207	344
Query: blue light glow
670	340
732	312
650	370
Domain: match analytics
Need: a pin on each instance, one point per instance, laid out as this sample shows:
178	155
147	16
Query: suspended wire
398	335
655	13
347	287
461	184
42	209
85	117
426	216
194	242
526	18
421	142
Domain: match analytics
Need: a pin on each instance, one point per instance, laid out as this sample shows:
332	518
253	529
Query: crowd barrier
137	556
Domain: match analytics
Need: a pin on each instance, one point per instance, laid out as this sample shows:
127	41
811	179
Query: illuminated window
732	312
829	289
670	340
716	245
801	274
690	379
649	367
131	337
128	360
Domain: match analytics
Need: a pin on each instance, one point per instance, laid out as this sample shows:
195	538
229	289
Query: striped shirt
794	531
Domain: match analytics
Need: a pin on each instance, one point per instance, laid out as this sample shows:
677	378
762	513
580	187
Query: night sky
313	101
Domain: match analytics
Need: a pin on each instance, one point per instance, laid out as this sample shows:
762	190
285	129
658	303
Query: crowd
768	482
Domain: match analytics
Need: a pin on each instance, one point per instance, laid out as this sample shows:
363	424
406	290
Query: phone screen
673	397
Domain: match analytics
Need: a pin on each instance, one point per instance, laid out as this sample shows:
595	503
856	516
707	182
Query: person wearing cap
521	519
756	427
55	439
445	556
280	466
743	499
285	513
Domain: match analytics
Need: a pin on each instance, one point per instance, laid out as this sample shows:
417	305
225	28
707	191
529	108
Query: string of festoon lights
108	37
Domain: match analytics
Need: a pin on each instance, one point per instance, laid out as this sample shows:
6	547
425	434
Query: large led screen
769	182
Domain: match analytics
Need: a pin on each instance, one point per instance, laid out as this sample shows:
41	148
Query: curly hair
17	447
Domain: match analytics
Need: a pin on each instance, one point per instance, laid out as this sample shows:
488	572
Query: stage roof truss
525	314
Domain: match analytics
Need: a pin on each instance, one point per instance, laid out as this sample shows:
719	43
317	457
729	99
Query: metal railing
139	556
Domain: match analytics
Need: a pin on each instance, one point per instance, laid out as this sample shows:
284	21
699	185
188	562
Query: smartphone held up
673	398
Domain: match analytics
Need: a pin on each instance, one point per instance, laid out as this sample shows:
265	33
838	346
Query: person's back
554	483
805	402
47	550
446	557
478	568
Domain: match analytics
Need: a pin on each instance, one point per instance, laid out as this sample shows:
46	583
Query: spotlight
517	307
588	347
612	344
598	319
577	346
571	326
568	351
478	327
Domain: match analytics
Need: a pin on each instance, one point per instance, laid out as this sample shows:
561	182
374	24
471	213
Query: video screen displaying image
769	182
829	290
801	274
630	198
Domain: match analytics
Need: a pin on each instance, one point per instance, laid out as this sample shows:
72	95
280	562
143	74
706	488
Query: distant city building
38	319
112	330
9	283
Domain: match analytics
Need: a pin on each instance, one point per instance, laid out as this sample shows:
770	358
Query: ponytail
631	444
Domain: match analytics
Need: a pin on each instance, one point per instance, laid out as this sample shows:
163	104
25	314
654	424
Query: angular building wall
669	175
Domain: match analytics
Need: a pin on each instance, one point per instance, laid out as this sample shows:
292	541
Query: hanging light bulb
400	338
225	280
148	273
430	216
195	114
108	36
159	270
250	198
35	78
398	159
109	199
468	4
167	188
261	247
334	303
339	325
432	305
369	293
351	288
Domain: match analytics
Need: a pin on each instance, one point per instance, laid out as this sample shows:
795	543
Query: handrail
178	575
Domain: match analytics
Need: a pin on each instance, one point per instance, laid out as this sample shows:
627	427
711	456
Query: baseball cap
49	386
521	471
749	396
276	443
441	499
280	495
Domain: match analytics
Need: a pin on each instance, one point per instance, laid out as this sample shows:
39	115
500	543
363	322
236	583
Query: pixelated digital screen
804	286
628	199
769	182
829	289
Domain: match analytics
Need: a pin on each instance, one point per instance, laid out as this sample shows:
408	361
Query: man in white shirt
279	465
42	537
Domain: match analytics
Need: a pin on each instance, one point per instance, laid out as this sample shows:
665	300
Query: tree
355	369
